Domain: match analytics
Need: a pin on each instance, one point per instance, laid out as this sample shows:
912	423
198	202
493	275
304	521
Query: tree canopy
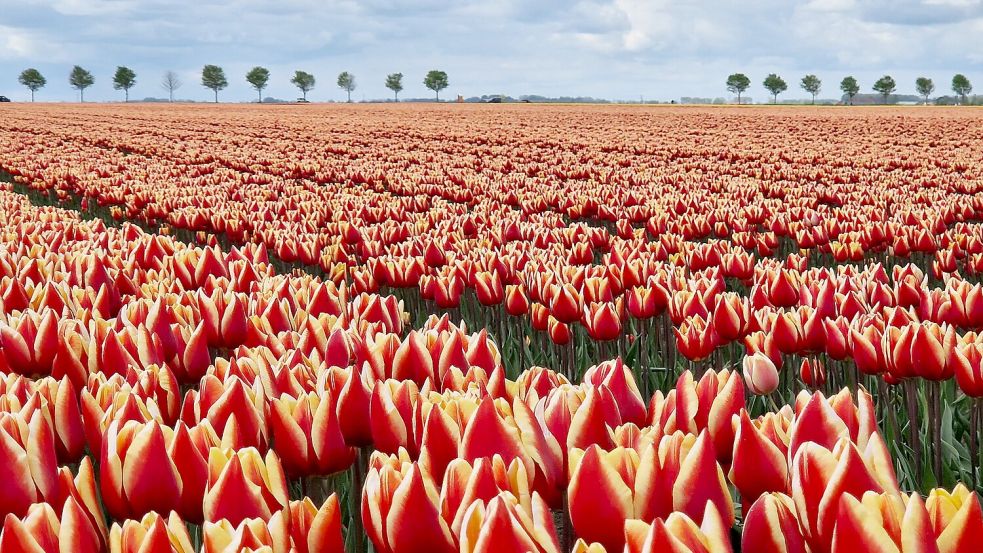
885	86
80	79
436	81
124	79
737	84
925	87
346	82
850	87
213	77
776	85
961	86
812	84
394	82
33	80
257	77
304	81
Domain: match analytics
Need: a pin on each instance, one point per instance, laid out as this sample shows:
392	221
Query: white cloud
612	48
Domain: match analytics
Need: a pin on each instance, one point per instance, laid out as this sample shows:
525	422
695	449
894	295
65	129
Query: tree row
213	78
738	83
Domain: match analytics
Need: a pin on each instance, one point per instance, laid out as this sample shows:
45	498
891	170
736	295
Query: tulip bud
760	374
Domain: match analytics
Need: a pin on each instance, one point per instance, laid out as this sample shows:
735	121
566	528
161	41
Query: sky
614	49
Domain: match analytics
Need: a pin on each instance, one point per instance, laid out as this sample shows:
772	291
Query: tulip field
432	328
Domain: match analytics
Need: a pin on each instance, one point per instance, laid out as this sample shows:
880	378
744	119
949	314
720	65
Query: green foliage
304	81
436	81
124	79
33	80
394	82
885	86
80	79
737	84
961	86
346	82
812	84
257	78
925	87
850	87
776	85
213	77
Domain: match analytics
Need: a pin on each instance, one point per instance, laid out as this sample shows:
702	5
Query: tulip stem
974	414
566	535
911	395
355	530
934	391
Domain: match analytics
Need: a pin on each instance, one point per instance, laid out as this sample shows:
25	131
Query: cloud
609	48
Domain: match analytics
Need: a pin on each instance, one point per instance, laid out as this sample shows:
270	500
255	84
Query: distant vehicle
303	101
4	99
495	100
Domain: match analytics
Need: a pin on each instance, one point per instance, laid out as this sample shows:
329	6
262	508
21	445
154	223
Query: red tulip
771	526
27	462
313	529
488	288
503	524
602	321
956	518
243	485
679	533
566	304
307	435
813	373
40	529
516	302
152	533
400	511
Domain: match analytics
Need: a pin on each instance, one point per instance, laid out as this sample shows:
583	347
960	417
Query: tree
925	87
33	80
170	82
346	82
885	86
213	77
304	81
776	85
436	81
394	82
80	79
124	79
812	85
737	84
961	86
257	78
850	87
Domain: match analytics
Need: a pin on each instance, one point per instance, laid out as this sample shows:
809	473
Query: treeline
738	83
213	78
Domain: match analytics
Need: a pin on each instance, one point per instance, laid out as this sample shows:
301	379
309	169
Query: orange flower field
432	328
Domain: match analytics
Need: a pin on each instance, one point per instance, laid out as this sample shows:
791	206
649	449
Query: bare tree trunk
216	95
32	95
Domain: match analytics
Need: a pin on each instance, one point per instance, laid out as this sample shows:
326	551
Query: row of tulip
472	470
194	394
